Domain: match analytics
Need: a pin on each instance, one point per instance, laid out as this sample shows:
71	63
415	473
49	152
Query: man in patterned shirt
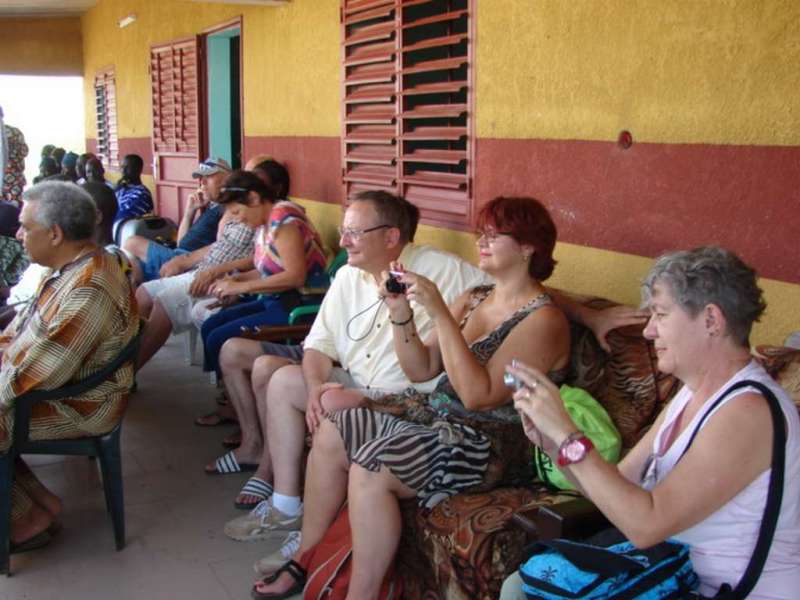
82	317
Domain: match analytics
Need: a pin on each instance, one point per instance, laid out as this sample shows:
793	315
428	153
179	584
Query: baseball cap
69	160
210	166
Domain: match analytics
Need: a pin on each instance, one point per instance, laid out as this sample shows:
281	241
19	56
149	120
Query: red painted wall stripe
314	163
141	146
648	199
654	198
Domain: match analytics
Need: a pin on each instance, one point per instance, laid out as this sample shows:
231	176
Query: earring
526	257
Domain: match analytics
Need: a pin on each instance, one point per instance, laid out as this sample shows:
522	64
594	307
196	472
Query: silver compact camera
512	381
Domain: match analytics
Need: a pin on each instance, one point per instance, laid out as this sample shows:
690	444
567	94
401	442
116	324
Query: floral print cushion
784	365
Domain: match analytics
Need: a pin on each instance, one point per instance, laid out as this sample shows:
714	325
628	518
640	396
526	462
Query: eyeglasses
490	235
357	234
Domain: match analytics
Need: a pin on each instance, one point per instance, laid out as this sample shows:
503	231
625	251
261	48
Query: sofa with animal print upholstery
466	546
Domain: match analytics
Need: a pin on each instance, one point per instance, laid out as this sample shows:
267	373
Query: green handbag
593	420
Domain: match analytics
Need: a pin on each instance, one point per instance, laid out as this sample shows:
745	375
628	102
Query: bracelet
401	323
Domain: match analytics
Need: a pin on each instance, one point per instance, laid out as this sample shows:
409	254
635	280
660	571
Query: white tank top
722	544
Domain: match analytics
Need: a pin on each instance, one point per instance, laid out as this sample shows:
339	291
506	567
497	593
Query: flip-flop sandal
297	572
40	540
213	419
256	487
227	464
232	441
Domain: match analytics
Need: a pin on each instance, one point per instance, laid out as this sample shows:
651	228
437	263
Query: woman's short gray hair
710	275
66	205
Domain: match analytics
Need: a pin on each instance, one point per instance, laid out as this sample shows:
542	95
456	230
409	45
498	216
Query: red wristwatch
574	449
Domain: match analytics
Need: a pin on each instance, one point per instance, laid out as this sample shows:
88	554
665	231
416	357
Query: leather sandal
297	572
40	540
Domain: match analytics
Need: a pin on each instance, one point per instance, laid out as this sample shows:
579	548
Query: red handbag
329	565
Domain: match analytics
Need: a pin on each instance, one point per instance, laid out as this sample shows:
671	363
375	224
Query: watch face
574	451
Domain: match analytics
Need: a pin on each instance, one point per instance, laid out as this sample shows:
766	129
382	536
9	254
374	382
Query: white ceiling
44	8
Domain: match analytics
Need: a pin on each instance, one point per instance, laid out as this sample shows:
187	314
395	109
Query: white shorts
173	294
201	310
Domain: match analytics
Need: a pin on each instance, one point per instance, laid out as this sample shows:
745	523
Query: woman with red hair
462	435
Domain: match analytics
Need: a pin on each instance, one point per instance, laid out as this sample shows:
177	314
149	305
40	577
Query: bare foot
233	440
32	524
281	585
248	500
222	416
241	459
36	490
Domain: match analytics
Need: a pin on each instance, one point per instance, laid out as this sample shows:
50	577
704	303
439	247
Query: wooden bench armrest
277	333
574	519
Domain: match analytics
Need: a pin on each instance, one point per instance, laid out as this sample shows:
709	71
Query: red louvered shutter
407	98
176	123
105	95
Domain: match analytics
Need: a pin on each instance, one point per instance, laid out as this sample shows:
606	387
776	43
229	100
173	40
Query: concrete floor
174	512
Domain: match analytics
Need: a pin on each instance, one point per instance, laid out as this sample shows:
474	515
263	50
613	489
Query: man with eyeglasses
199	227
351	329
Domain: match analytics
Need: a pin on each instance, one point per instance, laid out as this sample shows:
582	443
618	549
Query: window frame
105	98
379	98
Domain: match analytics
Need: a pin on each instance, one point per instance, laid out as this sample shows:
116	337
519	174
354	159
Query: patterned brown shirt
82	317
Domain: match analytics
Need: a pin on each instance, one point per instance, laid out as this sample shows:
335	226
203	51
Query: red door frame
172	168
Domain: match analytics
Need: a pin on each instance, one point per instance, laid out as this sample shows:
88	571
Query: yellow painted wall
590	271
716	71
713	71
290	56
41	46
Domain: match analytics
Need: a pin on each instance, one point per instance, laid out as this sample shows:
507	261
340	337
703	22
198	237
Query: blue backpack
561	569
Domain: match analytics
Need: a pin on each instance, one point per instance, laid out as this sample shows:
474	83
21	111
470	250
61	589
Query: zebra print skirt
437	460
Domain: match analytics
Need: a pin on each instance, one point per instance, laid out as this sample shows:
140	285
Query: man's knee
327	440
144	301
287	386
136	245
234	354
341	399
361	480
264	367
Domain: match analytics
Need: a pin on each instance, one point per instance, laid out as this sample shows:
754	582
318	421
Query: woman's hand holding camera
538	401
397	303
418	289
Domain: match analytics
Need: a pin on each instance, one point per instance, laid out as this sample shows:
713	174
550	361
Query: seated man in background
68	166
13	260
82	318
95	173
167	303
133	197
199	226
80	166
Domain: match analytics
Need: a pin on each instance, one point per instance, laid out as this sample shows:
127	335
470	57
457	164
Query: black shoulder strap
772	508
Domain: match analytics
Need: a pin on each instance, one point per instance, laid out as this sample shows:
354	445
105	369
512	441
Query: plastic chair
105	447
301	317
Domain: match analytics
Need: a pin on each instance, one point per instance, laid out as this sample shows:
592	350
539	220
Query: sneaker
259	522
245	527
271	563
